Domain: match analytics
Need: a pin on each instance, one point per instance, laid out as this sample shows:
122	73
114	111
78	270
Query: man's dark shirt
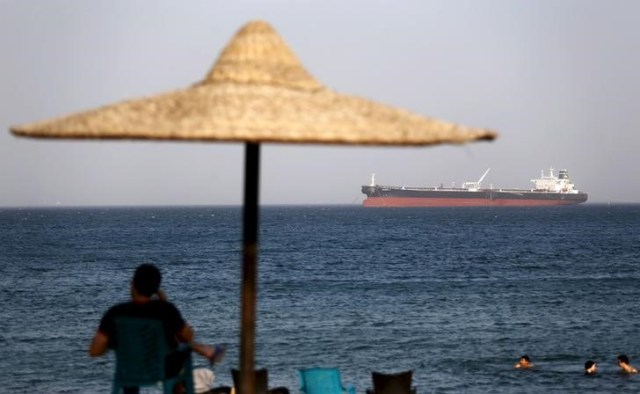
164	311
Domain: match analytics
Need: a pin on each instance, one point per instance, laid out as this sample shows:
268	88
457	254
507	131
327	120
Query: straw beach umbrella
256	92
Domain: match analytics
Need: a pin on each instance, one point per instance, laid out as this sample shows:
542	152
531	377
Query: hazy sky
559	80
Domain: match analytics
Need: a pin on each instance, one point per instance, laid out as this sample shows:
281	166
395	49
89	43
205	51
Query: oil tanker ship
549	190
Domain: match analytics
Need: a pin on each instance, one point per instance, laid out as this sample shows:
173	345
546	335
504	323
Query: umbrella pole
249	267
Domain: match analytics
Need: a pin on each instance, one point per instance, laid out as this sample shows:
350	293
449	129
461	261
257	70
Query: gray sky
558	80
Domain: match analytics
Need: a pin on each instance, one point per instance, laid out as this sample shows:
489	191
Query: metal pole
249	267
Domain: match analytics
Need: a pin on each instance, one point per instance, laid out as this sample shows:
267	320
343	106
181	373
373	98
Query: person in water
524	363
623	363
590	368
148	301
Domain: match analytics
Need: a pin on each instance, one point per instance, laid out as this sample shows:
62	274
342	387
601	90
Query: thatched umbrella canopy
257	91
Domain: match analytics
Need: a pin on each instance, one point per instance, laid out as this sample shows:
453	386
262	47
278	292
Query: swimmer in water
524	363
623	363
590	368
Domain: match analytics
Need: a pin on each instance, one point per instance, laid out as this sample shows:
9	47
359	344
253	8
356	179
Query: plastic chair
261	381
141	350
396	383
323	381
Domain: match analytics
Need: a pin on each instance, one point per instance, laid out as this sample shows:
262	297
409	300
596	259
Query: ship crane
475	185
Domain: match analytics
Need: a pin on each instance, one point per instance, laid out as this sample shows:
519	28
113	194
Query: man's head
524	362
623	359
590	367
146	279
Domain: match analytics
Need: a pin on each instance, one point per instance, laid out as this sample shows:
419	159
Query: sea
456	295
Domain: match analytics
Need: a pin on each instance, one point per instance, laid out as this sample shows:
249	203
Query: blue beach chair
141	350
323	381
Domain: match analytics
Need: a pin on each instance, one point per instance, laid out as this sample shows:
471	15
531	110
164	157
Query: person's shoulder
163	306
163	303
114	309
135	307
166	311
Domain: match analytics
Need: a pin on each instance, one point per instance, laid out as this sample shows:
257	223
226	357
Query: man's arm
186	335
99	344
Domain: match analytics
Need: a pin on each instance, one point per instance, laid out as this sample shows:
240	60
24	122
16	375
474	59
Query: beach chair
323	381
396	383
261	381
141	349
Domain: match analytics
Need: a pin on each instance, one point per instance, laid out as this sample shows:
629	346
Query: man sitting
149	302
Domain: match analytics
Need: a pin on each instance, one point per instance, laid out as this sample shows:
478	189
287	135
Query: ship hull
398	197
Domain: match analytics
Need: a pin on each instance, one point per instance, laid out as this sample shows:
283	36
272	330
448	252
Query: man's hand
162	295
99	345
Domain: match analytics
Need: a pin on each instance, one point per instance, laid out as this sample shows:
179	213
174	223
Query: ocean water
456	295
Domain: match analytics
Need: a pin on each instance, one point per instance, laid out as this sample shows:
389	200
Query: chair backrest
261	380
141	349
320	381
397	383
141	357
